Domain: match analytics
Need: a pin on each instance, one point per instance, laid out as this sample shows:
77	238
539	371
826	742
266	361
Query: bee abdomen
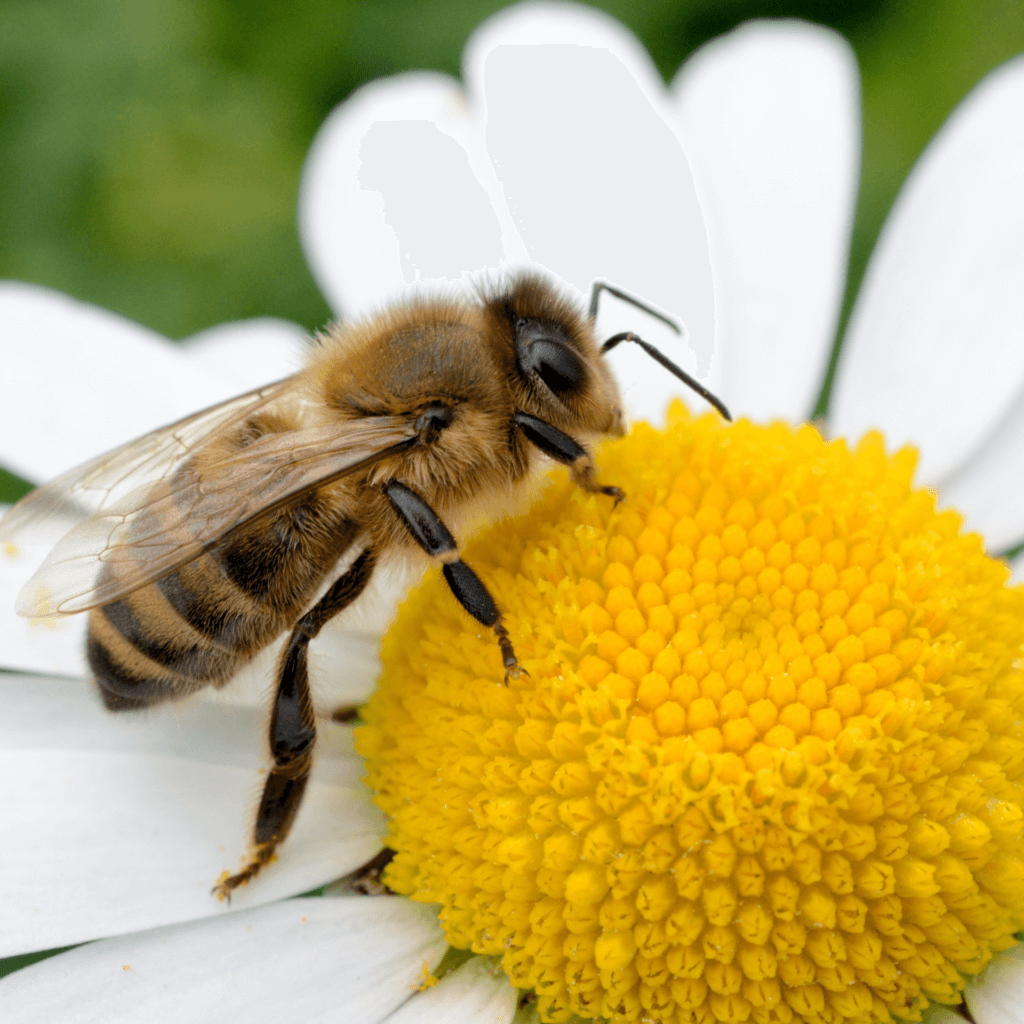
201	623
191	660
127	682
219	621
173	637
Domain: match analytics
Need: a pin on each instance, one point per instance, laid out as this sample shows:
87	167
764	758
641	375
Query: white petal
995	996
126	821
53	646
770	115
987	488
344	960
581	132
67	715
935	350
77	380
345	667
250	352
389	197
477	993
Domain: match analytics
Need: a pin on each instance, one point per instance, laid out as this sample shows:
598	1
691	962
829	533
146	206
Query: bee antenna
669	365
602	286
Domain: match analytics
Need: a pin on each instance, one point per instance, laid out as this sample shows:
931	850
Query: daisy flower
562	147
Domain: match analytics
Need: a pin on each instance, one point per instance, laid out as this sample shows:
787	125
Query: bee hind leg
435	538
293	726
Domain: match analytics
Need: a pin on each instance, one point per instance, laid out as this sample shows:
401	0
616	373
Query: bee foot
222	890
227	884
515	671
582	473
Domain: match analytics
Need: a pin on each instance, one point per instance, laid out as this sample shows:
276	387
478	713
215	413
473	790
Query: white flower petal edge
477	993
934	353
995	996
78	380
137	815
250	352
770	116
345	960
564	118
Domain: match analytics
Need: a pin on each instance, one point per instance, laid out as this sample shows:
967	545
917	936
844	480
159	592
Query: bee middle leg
567	450
293	725
436	540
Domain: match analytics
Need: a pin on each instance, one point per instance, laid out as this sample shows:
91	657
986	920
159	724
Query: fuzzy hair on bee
199	544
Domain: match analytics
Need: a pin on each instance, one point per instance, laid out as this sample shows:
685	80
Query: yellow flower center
767	764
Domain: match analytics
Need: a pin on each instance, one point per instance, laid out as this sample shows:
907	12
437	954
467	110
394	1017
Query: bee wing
158	527
108	478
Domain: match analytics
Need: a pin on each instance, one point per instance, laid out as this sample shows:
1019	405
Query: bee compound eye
560	369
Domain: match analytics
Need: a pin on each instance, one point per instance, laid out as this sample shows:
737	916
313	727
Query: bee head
554	365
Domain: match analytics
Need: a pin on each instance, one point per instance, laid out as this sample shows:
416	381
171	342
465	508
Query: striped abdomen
201	623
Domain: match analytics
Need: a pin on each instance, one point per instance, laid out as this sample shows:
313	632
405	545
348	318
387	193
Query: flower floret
767	764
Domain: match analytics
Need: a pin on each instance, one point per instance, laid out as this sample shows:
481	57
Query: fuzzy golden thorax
466	359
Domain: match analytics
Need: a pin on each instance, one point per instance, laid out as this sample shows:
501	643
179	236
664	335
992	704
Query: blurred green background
150	150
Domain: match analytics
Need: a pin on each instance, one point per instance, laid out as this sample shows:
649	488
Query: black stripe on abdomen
120	688
255	562
209	617
194	661
280	562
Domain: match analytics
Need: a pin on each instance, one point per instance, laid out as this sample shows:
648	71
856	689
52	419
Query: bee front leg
436	540
293	726
562	448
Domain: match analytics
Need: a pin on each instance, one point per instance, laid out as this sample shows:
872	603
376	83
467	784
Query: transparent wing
156	528
147	460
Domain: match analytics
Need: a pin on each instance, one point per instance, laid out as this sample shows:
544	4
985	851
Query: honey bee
199	544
